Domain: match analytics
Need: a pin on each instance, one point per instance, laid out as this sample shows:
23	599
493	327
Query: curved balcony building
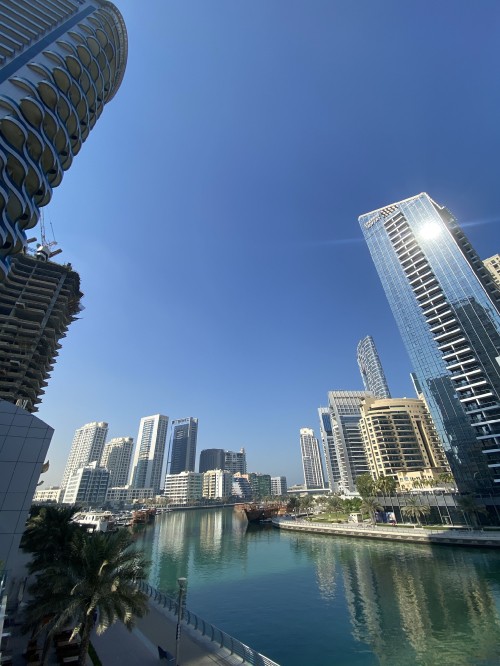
61	61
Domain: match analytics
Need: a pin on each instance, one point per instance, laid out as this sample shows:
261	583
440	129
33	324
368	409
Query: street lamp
182	583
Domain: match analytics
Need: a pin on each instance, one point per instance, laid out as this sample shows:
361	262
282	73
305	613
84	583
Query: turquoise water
313	600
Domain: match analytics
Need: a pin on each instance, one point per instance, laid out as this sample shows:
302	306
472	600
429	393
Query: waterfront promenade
453	537
158	628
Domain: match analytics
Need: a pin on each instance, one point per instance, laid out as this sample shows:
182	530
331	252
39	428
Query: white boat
95	521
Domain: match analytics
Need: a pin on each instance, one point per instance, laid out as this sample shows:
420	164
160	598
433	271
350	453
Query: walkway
119	646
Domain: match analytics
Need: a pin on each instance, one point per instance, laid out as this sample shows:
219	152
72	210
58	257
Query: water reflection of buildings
415	596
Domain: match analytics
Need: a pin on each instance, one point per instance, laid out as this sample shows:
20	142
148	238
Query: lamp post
182	583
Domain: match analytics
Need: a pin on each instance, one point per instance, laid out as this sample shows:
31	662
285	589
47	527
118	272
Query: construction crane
44	250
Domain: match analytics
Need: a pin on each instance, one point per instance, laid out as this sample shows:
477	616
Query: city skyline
253	191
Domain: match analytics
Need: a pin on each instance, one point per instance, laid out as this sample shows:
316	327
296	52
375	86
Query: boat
257	513
95	521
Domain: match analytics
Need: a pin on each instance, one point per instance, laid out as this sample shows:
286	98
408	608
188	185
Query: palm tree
370	506
306	502
468	505
293	504
365	485
414	509
47	535
96	580
385	485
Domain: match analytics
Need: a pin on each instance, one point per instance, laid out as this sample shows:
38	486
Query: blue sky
212	213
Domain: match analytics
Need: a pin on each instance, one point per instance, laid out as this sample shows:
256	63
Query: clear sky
212	213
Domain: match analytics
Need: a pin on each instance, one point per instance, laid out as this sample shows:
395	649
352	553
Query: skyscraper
87	447
211	459
60	63
492	264
182	447
311	460
149	453
38	301
447	309
116	458
342	440
236	461
371	369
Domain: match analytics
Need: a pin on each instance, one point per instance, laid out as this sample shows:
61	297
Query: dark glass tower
211	459
447	309
182	449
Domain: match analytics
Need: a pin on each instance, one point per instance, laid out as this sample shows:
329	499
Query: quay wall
413	535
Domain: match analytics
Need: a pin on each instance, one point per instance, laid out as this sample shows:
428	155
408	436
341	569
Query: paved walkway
119	646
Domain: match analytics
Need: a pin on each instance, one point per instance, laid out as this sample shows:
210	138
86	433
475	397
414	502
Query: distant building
149	453
278	486
311	459
398	435
38	301
447	309
217	484
242	487
261	485
236	461
492	264
182	448
128	495
87	486
184	488
344	449
49	494
211	459
116	458
371	369
87	447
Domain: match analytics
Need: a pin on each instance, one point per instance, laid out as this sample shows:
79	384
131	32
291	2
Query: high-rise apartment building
116	458
446	306
236	461
260	484
242	487
182	447
217	484
311	460
492	264
371	369
342	441
60	62
87	486
149	453
278	486
38	301
398	435
184	488
87	447
211	459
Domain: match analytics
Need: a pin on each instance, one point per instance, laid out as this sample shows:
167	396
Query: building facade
446	306
49	494
24	441
278	486
184	488
371	370
117	459
128	495
211	459
87	486
182	447
217	484
87	447
236	461
147	467
260	484
38	301
60	63
398	435
343	444
311	460
492	264
242	487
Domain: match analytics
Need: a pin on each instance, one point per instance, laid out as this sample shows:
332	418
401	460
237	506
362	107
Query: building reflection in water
414	604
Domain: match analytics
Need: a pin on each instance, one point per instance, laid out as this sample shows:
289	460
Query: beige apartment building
217	484
492	264
399	436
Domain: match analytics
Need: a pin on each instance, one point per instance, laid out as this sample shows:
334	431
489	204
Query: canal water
317	600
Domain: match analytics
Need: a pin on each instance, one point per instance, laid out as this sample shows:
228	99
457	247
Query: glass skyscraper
149	452
446	306
182	448
311	460
371	369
